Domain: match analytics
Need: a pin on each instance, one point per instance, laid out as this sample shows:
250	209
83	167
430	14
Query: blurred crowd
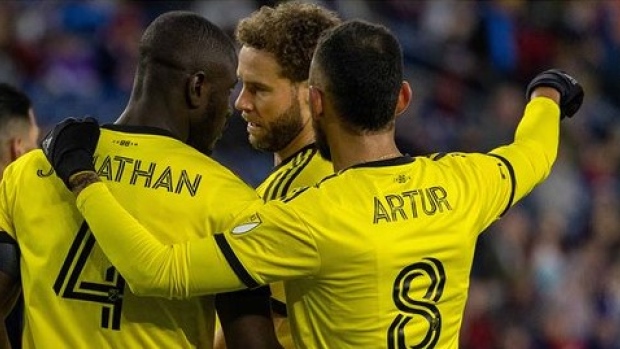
547	275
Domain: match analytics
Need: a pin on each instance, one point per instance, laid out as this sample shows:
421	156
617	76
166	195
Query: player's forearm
535	146
148	266
82	180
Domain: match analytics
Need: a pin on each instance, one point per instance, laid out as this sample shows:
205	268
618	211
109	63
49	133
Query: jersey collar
139	129
400	160
310	146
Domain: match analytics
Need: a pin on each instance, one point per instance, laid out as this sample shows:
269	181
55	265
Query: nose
243	103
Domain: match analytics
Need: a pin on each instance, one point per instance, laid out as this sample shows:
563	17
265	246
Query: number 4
109	295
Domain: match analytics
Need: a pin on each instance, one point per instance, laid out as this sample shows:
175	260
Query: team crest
253	222
402	178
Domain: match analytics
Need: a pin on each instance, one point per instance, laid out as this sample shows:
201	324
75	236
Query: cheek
271	108
219	106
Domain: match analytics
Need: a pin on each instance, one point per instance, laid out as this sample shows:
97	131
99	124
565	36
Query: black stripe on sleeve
5	238
270	192
234	262
294	194
513	181
298	170
280	186
277	191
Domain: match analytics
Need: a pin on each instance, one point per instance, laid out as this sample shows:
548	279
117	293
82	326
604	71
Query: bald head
186	71
185	41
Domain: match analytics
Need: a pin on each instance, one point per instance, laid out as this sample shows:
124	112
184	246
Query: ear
16	148
404	98
316	102
197	89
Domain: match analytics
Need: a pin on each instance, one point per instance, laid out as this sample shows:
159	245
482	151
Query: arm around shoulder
150	267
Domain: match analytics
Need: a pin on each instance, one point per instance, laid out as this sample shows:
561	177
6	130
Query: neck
305	137
351	149
145	113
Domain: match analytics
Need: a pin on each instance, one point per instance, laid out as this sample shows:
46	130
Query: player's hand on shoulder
571	92
70	146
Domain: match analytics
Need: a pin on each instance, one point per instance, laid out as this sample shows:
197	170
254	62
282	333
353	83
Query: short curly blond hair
289	31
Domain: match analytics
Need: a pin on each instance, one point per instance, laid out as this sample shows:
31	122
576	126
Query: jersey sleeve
530	157
273	244
150	267
497	180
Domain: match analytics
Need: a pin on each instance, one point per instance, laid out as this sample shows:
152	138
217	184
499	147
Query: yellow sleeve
534	150
273	244
148	266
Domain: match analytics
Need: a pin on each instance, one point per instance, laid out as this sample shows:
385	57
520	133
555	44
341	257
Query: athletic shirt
376	256
304	168
74	297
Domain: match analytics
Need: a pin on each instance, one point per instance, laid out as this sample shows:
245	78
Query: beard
321	141
281	131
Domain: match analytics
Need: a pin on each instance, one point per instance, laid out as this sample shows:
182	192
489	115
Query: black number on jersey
433	270
68	284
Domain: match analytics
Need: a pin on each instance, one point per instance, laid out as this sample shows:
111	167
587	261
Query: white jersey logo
243	228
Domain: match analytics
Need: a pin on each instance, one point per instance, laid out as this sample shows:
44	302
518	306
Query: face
207	129
268	102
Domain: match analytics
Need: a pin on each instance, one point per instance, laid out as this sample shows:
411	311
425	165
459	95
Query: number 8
433	269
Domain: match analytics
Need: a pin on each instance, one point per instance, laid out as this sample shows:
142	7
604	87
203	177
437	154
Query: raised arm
553	95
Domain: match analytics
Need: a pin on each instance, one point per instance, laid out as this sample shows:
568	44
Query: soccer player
274	61
153	157
377	255
19	134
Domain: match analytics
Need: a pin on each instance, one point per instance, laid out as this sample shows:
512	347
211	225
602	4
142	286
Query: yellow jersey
304	168
377	255
74	297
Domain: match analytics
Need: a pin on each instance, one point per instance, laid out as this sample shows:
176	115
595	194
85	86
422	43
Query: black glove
70	146
571	92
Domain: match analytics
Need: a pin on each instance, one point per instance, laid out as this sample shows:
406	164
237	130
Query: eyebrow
257	84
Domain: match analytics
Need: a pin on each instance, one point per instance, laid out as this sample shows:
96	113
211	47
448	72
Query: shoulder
33	162
319	168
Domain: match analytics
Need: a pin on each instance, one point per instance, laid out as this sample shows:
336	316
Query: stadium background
548	274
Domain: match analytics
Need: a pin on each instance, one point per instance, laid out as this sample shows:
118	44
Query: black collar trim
290	158
400	160
139	129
